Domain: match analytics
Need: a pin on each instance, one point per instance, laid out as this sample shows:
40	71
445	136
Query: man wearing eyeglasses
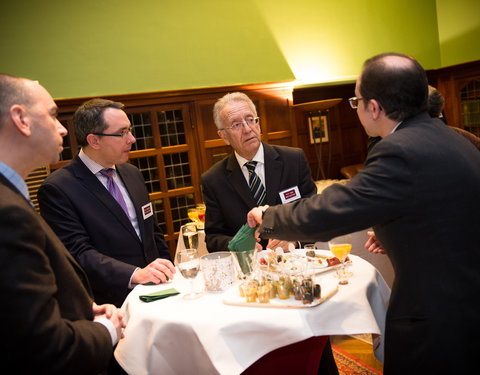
282	173
100	208
420	192
226	189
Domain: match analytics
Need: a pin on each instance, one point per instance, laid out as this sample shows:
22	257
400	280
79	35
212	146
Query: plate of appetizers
278	261
279	293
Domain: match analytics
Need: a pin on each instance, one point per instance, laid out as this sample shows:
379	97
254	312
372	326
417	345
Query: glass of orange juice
201	215
340	248
193	215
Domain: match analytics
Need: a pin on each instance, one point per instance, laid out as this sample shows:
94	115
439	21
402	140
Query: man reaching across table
420	192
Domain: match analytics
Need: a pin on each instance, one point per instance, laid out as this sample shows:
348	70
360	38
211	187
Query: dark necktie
255	184
113	189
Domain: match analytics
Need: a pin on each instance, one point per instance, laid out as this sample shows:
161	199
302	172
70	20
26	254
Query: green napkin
159	295
243	246
244	240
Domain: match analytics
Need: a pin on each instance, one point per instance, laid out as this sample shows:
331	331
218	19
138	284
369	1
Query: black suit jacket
46	309
228	198
94	228
420	190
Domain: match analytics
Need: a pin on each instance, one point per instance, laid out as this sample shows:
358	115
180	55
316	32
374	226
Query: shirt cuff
130	284
107	323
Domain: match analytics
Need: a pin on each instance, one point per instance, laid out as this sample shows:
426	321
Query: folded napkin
244	240
159	295
243	245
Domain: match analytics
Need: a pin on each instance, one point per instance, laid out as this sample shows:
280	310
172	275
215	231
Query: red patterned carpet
349	365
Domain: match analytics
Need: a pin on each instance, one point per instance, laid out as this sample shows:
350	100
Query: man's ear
375	108
93	141
222	135
20	119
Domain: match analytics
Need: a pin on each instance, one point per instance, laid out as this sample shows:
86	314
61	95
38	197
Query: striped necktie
255	184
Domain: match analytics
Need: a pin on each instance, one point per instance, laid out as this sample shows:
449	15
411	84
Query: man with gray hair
256	173
277	174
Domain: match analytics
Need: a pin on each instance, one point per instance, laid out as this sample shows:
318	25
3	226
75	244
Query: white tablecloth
206	336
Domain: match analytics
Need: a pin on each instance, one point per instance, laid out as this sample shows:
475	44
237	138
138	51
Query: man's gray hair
229	98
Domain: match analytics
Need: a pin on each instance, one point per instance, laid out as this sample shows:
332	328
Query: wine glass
190	236
193	215
188	264
340	247
201	215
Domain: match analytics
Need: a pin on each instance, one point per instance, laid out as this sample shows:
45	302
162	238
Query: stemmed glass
188	264
201	215
189	235
341	247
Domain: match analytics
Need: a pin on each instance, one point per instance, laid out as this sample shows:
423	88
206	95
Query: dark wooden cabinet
460	85
347	141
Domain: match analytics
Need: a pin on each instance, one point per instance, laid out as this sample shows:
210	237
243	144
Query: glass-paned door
166	154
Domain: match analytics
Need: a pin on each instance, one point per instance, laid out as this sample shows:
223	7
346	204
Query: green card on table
159	295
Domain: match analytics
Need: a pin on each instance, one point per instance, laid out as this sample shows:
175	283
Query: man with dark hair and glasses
419	191
100	208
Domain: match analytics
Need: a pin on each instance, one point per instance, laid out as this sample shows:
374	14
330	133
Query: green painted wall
93	47
459	30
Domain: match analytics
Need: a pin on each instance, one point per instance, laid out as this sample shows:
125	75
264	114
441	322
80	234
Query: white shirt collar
259	157
396	126
92	165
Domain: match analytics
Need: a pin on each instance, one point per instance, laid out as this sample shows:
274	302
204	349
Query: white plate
328	289
319	262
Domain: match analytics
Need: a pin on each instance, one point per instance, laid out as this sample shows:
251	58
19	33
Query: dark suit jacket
228	198
420	189
94	228
46	309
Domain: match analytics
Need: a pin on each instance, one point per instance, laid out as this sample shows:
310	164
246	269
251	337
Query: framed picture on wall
318	128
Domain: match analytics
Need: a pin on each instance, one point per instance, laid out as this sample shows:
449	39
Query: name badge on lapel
290	194
147	211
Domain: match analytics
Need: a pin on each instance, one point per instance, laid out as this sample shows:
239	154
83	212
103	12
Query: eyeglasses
239	125
122	133
354	102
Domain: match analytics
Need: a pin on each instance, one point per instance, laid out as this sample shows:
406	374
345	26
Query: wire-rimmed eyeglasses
354	102
122	133
250	121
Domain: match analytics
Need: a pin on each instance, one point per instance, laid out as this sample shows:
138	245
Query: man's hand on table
372	244
157	272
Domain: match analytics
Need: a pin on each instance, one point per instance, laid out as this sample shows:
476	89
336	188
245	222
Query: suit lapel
273	174
237	180
91	182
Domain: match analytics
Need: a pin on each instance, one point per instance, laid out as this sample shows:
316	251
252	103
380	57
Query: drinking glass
201	215
341	247
190	236
193	215
188	264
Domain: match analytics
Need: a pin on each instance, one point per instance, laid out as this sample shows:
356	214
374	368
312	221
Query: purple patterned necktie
113	189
